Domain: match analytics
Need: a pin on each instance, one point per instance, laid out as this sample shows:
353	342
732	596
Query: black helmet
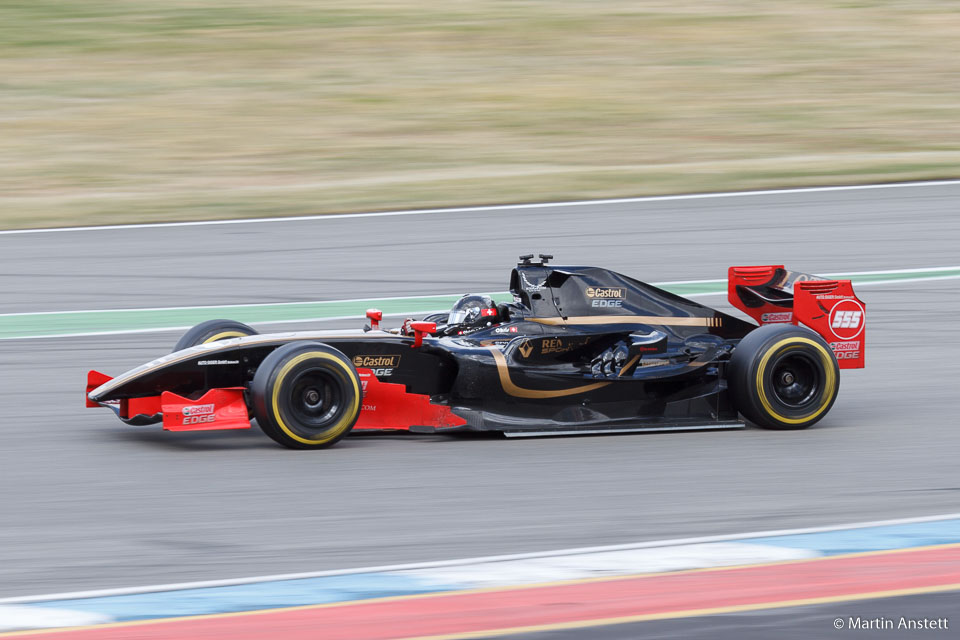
473	311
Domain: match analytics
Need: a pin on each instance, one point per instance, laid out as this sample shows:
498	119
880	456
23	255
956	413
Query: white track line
857	285
898	280
100	593
244	304
494	293
495	208
121	332
913	270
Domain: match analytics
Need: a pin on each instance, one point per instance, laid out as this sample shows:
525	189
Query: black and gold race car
579	350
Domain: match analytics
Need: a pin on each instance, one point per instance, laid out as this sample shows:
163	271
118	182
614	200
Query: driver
470	313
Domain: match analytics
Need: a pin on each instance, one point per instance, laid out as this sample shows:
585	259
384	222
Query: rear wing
772	294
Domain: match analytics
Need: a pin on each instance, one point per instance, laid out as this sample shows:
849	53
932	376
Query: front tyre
782	376
306	395
213	330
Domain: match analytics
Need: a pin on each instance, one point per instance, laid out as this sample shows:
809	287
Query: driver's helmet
473	311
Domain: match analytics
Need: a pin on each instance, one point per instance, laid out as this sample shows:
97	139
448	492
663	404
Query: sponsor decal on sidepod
381	365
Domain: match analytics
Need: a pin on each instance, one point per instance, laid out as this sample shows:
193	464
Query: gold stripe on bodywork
651	320
503	369
629	364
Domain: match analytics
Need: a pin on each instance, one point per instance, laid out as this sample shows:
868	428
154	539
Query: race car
578	350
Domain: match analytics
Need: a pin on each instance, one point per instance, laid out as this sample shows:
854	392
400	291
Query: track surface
791	623
90	503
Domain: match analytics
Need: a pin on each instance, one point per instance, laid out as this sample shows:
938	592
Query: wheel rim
316	401
796	380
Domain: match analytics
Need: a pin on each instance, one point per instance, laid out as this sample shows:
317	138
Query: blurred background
136	110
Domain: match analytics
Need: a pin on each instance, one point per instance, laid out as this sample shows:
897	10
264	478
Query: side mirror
640	345
647	343
375	316
420	329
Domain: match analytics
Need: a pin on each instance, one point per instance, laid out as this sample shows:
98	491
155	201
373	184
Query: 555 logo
847	318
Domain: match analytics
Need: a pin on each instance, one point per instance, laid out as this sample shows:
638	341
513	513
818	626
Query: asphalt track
90	503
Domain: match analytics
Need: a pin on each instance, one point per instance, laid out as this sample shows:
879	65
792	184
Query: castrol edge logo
606	292
606	297
783	316
382	366
374	362
847	319
198	410
198	414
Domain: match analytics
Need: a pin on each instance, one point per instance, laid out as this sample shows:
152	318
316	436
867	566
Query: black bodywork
579	349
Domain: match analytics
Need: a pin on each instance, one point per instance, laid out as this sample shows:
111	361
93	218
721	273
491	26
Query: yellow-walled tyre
782	376
213	330
306	395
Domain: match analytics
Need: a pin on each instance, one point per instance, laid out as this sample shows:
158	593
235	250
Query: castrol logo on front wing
198	414
847	319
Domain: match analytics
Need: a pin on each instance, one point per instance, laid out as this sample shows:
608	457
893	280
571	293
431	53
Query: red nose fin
94	380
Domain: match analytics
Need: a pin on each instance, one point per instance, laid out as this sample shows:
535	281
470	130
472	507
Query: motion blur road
90	503
791	623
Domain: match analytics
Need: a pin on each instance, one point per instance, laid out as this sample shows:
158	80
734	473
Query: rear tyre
306	395
783	377
213	330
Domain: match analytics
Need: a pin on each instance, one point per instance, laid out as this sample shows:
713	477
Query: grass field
138	110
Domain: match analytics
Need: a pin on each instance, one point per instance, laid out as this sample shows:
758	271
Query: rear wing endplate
772	294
